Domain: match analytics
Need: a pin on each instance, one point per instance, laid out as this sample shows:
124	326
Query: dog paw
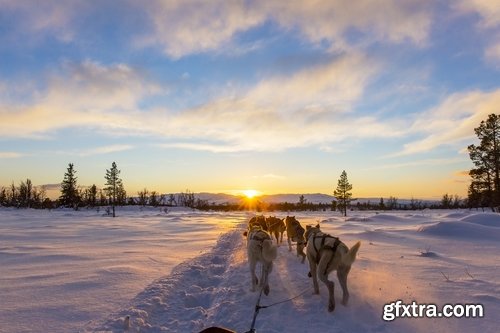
309	274
266	290
331	307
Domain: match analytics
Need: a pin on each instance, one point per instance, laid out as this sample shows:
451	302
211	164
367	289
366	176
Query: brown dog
326	254
259	220
295	232
276	227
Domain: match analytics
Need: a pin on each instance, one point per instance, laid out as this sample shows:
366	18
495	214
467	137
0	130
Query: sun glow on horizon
250	194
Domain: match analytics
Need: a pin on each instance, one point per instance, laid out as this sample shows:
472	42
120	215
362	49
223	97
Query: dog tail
269	250
350	256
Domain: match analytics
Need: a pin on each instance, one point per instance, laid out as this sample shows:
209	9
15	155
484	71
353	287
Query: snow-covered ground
65	271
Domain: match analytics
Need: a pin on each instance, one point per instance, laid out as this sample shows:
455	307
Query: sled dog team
325	253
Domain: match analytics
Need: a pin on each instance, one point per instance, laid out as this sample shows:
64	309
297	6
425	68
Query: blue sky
223	96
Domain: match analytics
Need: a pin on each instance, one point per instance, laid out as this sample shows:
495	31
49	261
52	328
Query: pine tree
392	203
153	199
92	196
114	185
486	158
342	193
3	197
69	191
121	195
381	204
143	197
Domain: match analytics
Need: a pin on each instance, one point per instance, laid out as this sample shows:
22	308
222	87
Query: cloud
103	150
489	23
269	176
492	52
49	18
214	148
489	11
185	27
453	121
51	187
425	162
312	107
388	20
10	154
83	95
462	173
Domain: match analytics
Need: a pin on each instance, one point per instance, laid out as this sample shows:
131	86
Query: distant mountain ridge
315	198
268	198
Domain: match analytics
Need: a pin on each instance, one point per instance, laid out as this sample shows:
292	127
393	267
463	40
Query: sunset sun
250	193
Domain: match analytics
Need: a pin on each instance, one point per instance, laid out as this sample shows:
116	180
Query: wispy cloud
105	150
50	18
84	95
214	148
453	121
102	150
489	11
268	176
10	154
424	162
462	173
492	52
489	22
186	27
312	106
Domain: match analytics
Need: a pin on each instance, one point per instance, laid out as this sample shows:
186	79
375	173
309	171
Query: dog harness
323	237
258	238
275	223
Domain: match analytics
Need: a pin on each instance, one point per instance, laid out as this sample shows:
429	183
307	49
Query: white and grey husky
260	248
325	254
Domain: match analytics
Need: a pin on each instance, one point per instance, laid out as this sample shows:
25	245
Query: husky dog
259	220
276	227
295	232
325	254
260	248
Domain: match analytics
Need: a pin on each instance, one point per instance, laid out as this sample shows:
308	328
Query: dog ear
308	227
245	233
317	226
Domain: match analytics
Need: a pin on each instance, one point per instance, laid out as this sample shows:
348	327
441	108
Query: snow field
184	271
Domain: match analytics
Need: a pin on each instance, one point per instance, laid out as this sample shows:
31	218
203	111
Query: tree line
26	195
483	191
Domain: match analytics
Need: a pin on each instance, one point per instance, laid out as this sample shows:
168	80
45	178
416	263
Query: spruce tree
342	193
486	158
92	196
114	185
69	191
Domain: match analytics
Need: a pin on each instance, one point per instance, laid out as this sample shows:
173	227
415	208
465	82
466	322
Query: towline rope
258	307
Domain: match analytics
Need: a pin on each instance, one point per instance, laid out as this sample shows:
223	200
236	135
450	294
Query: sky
224	96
